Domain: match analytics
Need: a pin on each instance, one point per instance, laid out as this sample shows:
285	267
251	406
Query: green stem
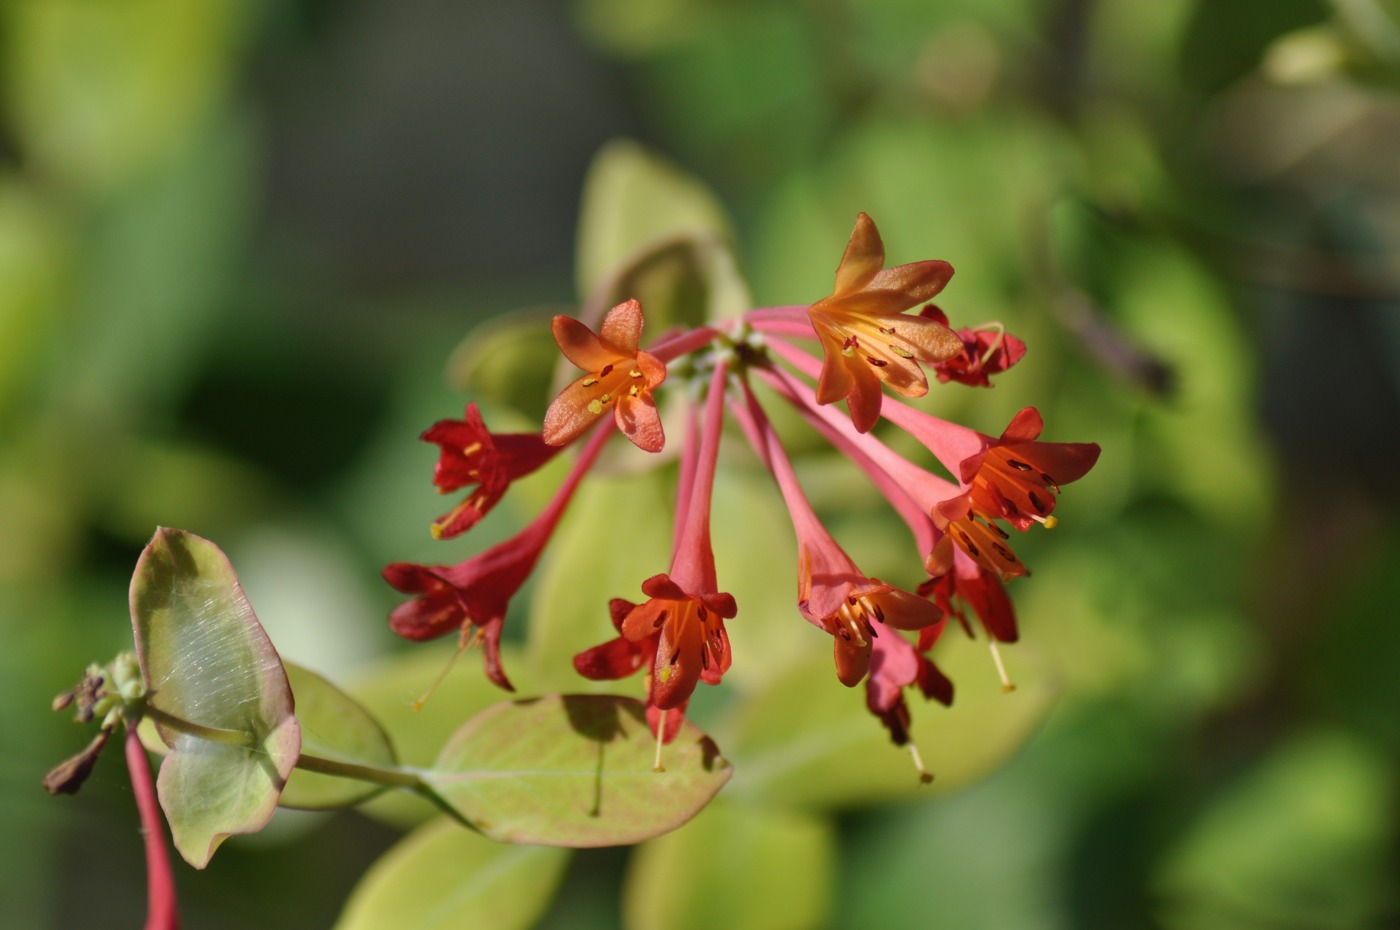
391	777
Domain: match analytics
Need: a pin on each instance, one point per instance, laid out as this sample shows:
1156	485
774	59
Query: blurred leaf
34	259
391	691
687	281
333	726
574	770
734	866
507	361
756	561
569	610
101	91
205	659
633	200
1302	841
443	875
1224	41
808	742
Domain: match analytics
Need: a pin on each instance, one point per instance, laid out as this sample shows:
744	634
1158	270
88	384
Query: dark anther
660	619
870	629
879	613
887	332
999	531
1005	552
841	631
704	614
1018	465
877	362
675	657
704	657
1050	482
1036	502
607	370
972	549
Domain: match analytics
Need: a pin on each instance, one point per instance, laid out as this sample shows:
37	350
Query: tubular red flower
472	455
974	587
832	593
679	631
866	337
477	592
986	351
619	376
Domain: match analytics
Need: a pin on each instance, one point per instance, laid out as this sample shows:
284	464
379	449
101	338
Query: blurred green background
239	242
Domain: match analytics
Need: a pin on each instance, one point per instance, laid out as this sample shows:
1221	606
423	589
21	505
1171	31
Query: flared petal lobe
620	377
473	456
867	340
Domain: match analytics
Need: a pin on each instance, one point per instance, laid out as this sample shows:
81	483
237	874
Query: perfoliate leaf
334	726
737	867
574	770
205	659
808	742
443	876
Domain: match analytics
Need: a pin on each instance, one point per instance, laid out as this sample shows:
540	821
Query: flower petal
580	345
622	327
863	258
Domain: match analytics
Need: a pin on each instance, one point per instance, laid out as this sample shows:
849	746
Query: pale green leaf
333	726
633	202
574	770
809	742
569	611
737	867
206	660
443	876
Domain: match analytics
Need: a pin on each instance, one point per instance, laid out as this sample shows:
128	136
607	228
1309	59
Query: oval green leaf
735	866
808	742
206	659
574	770
442	876
333	726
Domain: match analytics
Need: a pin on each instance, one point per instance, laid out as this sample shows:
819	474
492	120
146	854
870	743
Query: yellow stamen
656	765
996	343
464	642
925	776
1048	522
1006	686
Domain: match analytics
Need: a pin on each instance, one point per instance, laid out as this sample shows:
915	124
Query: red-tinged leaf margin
206	659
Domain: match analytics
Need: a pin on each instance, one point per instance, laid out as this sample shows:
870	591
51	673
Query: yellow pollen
589	382
633	391
472	449
1049	522
901	351
595	406
635	373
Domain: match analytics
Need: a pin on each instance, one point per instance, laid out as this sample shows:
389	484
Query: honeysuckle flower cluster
960	520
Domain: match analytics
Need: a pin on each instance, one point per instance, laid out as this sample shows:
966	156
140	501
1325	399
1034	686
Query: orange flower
866	336
620	376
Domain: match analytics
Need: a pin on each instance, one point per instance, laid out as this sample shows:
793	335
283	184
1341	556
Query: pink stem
693	562
161	910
